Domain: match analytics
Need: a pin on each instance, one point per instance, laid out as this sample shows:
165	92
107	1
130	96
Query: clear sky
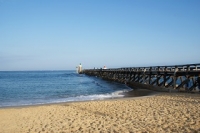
60	34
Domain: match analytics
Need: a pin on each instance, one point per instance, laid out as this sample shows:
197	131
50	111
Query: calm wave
19	88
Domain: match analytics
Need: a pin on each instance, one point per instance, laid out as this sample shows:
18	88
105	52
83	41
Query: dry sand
161	113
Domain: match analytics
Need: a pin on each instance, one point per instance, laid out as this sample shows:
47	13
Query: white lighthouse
79	69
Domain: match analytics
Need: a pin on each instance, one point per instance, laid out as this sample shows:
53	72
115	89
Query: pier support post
174	78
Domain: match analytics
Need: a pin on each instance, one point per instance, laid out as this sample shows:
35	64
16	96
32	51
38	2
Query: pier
160	78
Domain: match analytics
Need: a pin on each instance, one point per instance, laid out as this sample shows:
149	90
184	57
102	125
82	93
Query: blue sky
60	34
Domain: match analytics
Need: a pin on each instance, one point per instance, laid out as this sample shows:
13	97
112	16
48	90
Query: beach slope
160	113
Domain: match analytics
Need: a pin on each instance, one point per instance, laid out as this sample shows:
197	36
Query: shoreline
132	93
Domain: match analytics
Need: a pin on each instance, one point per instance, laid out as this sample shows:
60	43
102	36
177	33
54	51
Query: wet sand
165	112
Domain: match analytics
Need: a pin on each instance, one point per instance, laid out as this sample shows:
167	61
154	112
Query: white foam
116	94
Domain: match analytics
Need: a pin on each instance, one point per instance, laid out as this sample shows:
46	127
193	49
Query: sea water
18	88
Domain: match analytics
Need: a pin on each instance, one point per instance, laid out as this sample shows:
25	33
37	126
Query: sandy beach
166	112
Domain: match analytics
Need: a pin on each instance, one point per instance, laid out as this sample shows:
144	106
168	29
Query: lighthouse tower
79	69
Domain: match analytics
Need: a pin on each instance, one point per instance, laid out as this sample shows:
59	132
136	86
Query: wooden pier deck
163	78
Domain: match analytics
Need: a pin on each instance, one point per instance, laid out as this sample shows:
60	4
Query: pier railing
179	77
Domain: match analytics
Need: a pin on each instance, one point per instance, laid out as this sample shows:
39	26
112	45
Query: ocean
19	88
